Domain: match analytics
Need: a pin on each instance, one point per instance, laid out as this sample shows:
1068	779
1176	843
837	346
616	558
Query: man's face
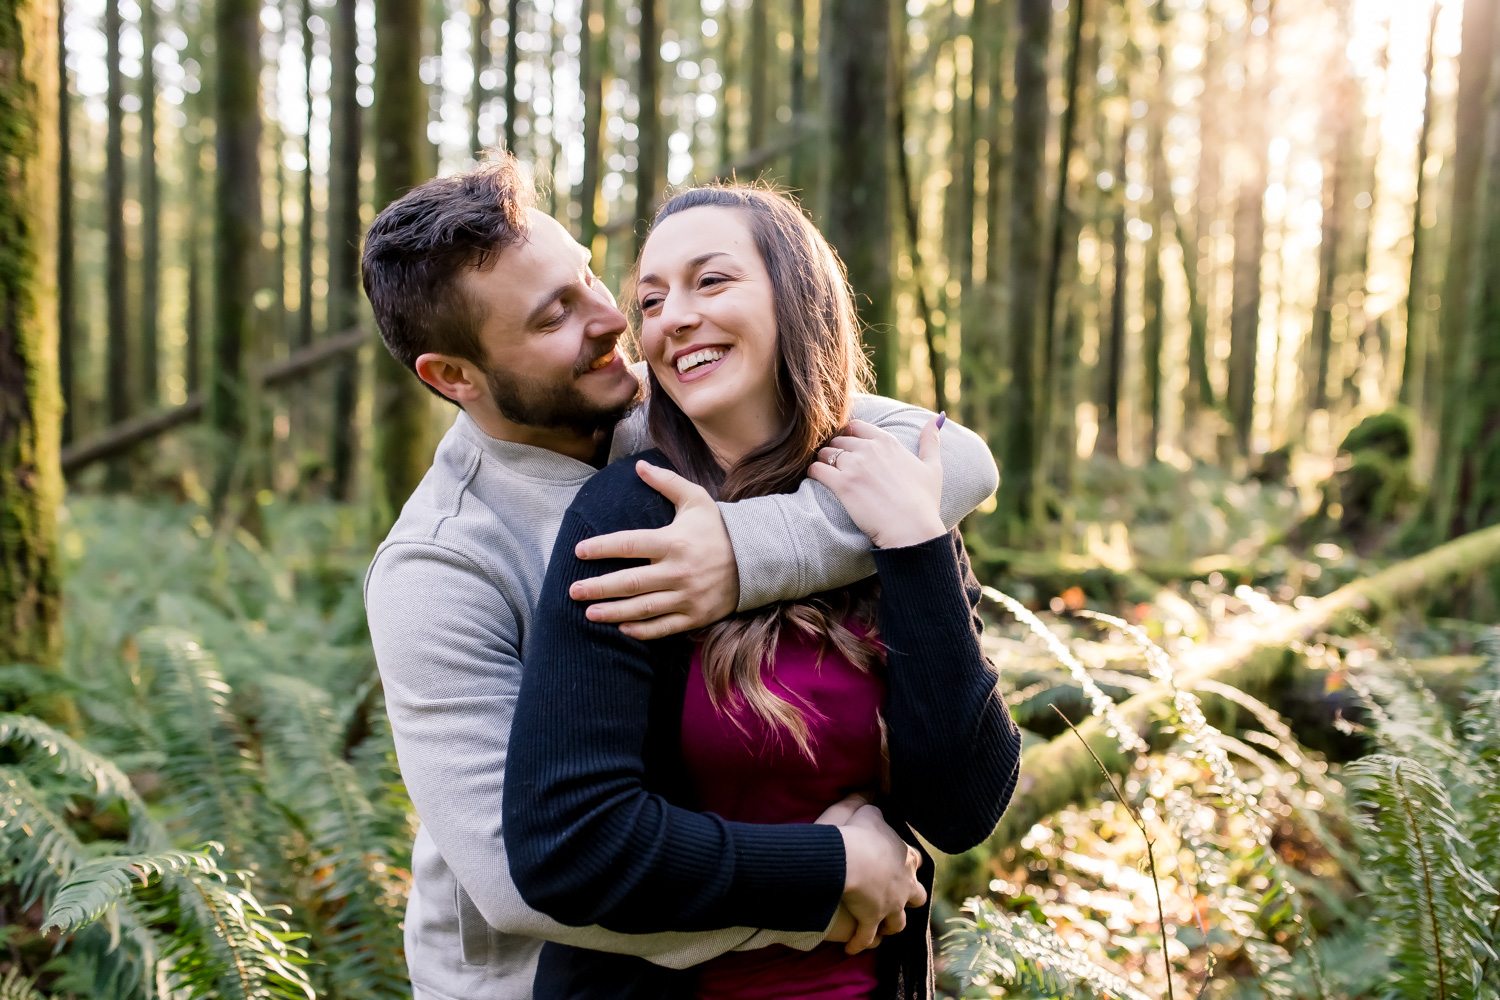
549	335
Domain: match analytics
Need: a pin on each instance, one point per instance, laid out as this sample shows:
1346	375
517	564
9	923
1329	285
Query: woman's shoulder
615	498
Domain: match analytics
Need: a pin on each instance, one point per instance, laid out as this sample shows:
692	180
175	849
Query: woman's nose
677	315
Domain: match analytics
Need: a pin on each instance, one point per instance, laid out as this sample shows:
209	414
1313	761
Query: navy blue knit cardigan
599	817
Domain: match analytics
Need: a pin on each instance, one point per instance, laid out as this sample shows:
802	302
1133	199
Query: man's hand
880	878
692	580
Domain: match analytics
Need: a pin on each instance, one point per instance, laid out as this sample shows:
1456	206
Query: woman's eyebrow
692	265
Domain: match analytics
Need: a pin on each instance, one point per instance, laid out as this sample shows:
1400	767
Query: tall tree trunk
31	486
1415	353
192	360
1197	252
1341	133
66	344
117	393
593	51
150	215
401	159
1249	247
1155	213
855	70
728	88
305	230
512	60
1016	502
760	79
648	140
237	248
484	19
1476	92
983	358
797	177
935	360
346	141
1113	352
1062	253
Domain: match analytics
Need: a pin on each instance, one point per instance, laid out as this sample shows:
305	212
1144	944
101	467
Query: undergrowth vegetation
204	802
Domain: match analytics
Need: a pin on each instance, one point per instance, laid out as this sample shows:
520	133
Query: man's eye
554	320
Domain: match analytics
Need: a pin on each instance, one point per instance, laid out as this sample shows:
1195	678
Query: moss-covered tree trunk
402	154
346	136
117	402
854	68
648	140
1463	284
237	246
30	401
1028	251
150	367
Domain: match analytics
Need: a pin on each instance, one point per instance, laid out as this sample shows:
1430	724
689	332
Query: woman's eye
650	301
712	279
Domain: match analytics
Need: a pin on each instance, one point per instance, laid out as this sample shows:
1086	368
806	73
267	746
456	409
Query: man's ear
456	378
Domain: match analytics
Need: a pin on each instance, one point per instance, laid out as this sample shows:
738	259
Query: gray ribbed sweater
450	595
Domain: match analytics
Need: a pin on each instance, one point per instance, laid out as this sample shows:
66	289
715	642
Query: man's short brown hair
418	247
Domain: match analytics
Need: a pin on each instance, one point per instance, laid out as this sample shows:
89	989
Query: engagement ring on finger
833	459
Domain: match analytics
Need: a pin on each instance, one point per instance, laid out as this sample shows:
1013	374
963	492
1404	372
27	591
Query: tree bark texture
855	70
402	153
150	375
346	141
117	402
1022	434
237	247
30	399
649	141
1061	772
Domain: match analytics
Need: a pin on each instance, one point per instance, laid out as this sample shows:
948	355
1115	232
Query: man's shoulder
616	498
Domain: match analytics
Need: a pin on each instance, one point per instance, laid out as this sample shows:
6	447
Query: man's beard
560	406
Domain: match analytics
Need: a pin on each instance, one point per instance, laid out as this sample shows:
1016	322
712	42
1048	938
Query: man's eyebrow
692	265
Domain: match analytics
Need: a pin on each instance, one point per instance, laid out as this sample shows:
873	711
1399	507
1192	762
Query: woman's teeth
690	361
601	361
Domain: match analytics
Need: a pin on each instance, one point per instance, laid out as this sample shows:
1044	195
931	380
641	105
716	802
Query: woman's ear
459	380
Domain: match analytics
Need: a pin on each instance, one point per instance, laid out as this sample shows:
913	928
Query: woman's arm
587	843
955	751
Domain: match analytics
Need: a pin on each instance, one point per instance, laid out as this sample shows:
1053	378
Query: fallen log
127	434
1061	772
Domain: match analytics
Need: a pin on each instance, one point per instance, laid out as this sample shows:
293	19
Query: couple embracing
681	657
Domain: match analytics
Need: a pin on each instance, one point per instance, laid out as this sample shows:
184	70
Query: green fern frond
70	759
995	946
15	986
212	779
1428	899
218	940
40	849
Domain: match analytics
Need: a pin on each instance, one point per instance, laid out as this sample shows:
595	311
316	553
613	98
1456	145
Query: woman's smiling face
708	326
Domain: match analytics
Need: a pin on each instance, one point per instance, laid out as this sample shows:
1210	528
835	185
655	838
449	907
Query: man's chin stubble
557	407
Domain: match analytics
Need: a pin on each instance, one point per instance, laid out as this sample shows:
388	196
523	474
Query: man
492	304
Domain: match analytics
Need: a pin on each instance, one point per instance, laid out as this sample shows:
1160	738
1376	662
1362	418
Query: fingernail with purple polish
942	419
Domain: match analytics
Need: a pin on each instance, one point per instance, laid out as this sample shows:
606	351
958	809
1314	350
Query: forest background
1219	280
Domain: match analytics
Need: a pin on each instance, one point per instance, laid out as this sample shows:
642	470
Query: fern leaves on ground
232	682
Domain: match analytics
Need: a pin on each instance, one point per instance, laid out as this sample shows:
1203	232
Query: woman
768	718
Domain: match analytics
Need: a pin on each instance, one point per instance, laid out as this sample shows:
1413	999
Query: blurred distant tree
150	373
760	77
30	401
1156	210
66	335
593	62
305	229
1339	116
237	241
402	154
346	136
649	139
1112	335
482	56
117	388
1031	115
855	56
512	61
1414	365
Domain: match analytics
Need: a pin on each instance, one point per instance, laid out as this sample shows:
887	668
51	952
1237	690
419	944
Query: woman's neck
730	440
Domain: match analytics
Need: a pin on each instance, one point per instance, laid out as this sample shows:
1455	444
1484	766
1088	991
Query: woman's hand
891	494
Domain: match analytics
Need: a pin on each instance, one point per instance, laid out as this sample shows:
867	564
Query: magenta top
759	775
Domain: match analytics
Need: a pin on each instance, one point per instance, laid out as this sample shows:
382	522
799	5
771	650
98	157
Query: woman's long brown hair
819	367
